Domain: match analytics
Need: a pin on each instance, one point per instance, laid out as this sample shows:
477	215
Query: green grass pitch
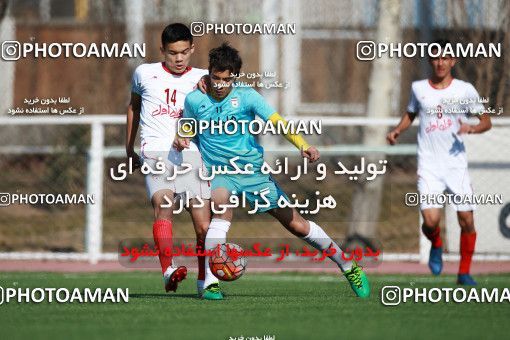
287	306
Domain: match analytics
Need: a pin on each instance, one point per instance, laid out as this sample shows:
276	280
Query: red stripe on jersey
187	69
437	88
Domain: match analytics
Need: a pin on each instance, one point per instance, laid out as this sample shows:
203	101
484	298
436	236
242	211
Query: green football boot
358	280
212	292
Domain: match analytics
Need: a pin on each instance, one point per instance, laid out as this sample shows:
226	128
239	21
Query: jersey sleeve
259	105
198	73
136	81
473	107
413	106
296	139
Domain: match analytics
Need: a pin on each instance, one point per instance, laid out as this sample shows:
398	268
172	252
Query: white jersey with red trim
163	93
440	113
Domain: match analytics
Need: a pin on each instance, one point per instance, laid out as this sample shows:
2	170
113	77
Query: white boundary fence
95	169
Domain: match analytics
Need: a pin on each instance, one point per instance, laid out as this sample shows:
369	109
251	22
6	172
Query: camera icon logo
197	28
411	199
187	127
391	295
5	199
11	50
365	50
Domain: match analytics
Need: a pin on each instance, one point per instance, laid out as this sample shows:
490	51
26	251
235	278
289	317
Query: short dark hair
225	58
441	42
176	32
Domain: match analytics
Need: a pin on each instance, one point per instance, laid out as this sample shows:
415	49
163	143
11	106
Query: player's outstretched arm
405	122
485	124
133	121
307	151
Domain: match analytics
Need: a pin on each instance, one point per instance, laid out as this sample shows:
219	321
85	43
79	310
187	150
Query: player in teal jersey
224	102
240	105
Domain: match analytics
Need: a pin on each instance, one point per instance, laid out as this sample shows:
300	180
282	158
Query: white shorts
189	183
452	180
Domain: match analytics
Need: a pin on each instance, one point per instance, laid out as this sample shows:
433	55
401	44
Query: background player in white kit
157	100
442	162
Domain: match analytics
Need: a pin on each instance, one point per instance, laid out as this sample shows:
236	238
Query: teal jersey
241	104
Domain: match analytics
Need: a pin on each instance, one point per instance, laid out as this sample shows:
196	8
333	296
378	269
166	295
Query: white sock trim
314	228
217	233
218	223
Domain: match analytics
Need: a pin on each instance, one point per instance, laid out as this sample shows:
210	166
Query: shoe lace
355	276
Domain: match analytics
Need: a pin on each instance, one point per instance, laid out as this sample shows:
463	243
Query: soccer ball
228	264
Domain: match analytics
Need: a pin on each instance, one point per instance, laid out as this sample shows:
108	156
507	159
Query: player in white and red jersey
157	100
443	104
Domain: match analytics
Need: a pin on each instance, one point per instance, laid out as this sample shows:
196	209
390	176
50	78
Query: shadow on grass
163	296
194	296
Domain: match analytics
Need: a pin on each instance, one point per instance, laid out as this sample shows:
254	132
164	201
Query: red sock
467	248
201	261
433	235
162	232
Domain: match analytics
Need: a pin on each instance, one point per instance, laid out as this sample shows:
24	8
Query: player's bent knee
299	228
430	225
163	213
431	222
467	224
